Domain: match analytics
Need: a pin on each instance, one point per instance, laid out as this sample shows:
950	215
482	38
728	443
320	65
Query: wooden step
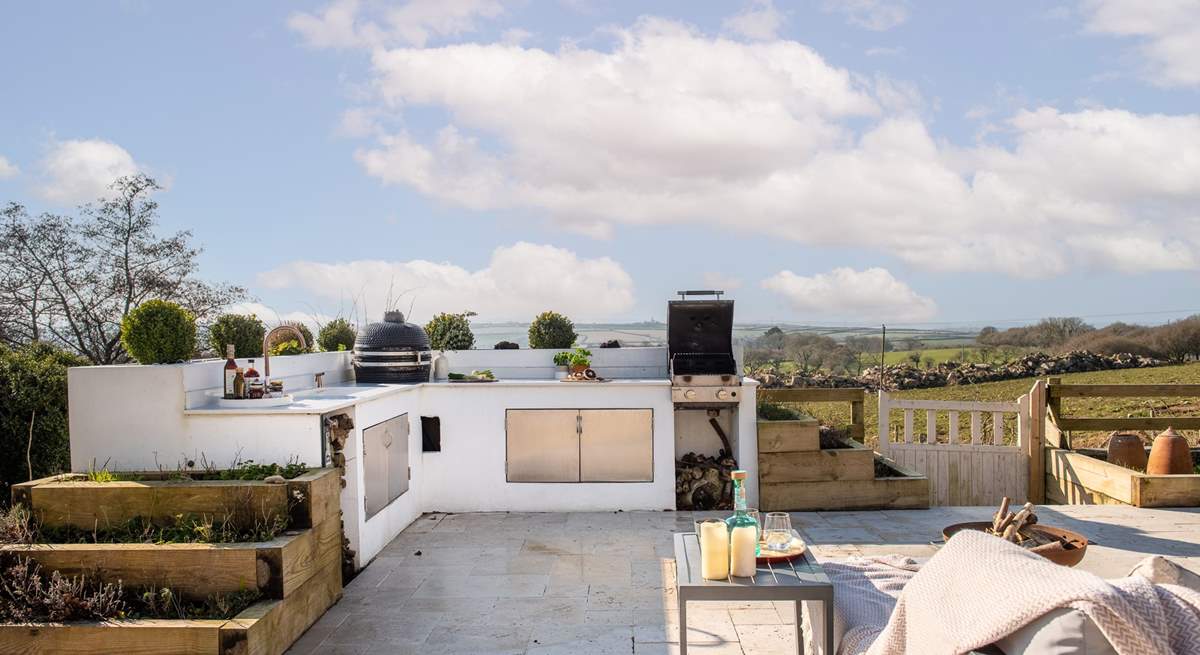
789	436
817	465
883	493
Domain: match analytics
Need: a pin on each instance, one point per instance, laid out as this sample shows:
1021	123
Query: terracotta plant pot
578	369
1169	455
1125	449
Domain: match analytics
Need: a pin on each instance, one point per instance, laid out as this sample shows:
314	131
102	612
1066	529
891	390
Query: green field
839	413
939	355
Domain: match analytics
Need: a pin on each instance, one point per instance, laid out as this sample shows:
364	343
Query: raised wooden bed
71	500
265	628
906	490
800	435
851	462
298	572
1075	479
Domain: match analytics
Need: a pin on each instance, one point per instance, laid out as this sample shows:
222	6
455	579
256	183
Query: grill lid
700	327
391	334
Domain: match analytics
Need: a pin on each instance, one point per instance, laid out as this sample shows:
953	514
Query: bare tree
70	281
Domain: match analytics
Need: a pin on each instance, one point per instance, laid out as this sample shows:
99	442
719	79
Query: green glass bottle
743	531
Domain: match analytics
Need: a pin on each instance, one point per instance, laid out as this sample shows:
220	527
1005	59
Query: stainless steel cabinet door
543	445
385	463
616	445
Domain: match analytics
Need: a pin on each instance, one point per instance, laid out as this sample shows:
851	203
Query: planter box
299	572
71	500
265	628
854	462
801	435
1075	479
908	492
275	567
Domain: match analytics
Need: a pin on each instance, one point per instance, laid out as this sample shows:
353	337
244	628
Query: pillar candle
714	550
743	543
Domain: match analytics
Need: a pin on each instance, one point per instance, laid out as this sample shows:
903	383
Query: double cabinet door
580	445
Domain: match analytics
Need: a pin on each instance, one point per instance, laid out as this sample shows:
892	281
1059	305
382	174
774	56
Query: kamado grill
392	351
700	347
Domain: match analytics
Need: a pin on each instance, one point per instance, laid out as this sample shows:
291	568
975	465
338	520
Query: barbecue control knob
690	394
722	394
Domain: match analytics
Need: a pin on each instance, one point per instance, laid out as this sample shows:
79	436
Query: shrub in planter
506	345
768	411
450	331
279	343
159	332
551	330
33	393
336	335
244	331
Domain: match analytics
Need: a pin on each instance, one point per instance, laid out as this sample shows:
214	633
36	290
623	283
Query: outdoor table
800	580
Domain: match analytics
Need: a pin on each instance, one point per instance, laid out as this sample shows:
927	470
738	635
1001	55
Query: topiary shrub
336	335
244	331
33	391
450	331
506	345
281	338
159	332
551	330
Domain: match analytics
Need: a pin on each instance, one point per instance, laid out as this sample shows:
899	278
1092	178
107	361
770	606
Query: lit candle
743	543
714	550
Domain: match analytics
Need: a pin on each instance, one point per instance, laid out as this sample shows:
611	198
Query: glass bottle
239	384
230	372
743	531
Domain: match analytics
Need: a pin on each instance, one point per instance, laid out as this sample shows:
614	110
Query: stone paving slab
603	582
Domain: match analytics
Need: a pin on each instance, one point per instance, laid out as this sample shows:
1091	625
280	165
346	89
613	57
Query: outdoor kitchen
428	434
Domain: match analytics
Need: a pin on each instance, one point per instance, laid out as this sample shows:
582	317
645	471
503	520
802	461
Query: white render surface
151	417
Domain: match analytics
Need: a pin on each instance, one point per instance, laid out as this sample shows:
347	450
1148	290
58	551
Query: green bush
768	411
551	330
506	345
159	332
336	335
450	331
33	388
244	331
278	344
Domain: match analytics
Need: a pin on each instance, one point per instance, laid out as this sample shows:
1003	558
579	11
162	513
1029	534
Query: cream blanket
979	589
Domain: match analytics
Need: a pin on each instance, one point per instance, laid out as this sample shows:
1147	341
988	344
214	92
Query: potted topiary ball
159	332
244	331
450	331
551	330
336	335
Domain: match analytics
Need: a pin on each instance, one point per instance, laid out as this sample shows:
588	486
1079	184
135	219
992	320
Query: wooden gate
991	462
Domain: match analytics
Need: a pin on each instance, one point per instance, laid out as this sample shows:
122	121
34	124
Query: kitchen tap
267	350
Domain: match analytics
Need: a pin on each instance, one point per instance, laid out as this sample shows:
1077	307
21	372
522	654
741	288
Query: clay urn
1169	455
1125	449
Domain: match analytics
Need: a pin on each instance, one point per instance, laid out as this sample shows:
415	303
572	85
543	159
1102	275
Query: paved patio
600	583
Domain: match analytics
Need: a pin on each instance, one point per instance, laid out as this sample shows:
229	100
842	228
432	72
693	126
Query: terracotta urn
1169	455
1125	449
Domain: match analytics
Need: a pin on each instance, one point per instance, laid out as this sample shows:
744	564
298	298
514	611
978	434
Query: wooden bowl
1069	553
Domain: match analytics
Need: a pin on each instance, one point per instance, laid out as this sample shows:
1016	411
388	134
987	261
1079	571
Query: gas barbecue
700	348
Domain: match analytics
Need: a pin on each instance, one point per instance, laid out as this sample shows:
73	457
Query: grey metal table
800	580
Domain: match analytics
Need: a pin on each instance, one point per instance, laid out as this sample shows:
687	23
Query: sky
866	161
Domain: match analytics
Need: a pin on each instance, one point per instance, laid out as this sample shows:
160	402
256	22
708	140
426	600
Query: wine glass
778	531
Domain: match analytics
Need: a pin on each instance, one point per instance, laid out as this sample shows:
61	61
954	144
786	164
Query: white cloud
8	169
875	15
1168	31
760	20
271	316
721	281
356	24
846	293
519	282
82	170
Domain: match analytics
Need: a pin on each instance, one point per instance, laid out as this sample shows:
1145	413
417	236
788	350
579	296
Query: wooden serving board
797	549
471	381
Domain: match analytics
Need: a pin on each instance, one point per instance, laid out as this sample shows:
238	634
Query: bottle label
229	377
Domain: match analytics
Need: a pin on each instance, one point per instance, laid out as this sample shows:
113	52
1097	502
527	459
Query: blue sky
852	162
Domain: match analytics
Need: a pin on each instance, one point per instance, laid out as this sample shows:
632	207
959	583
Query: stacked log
703	483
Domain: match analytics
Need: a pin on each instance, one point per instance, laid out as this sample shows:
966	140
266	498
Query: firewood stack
703	482
1008	525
